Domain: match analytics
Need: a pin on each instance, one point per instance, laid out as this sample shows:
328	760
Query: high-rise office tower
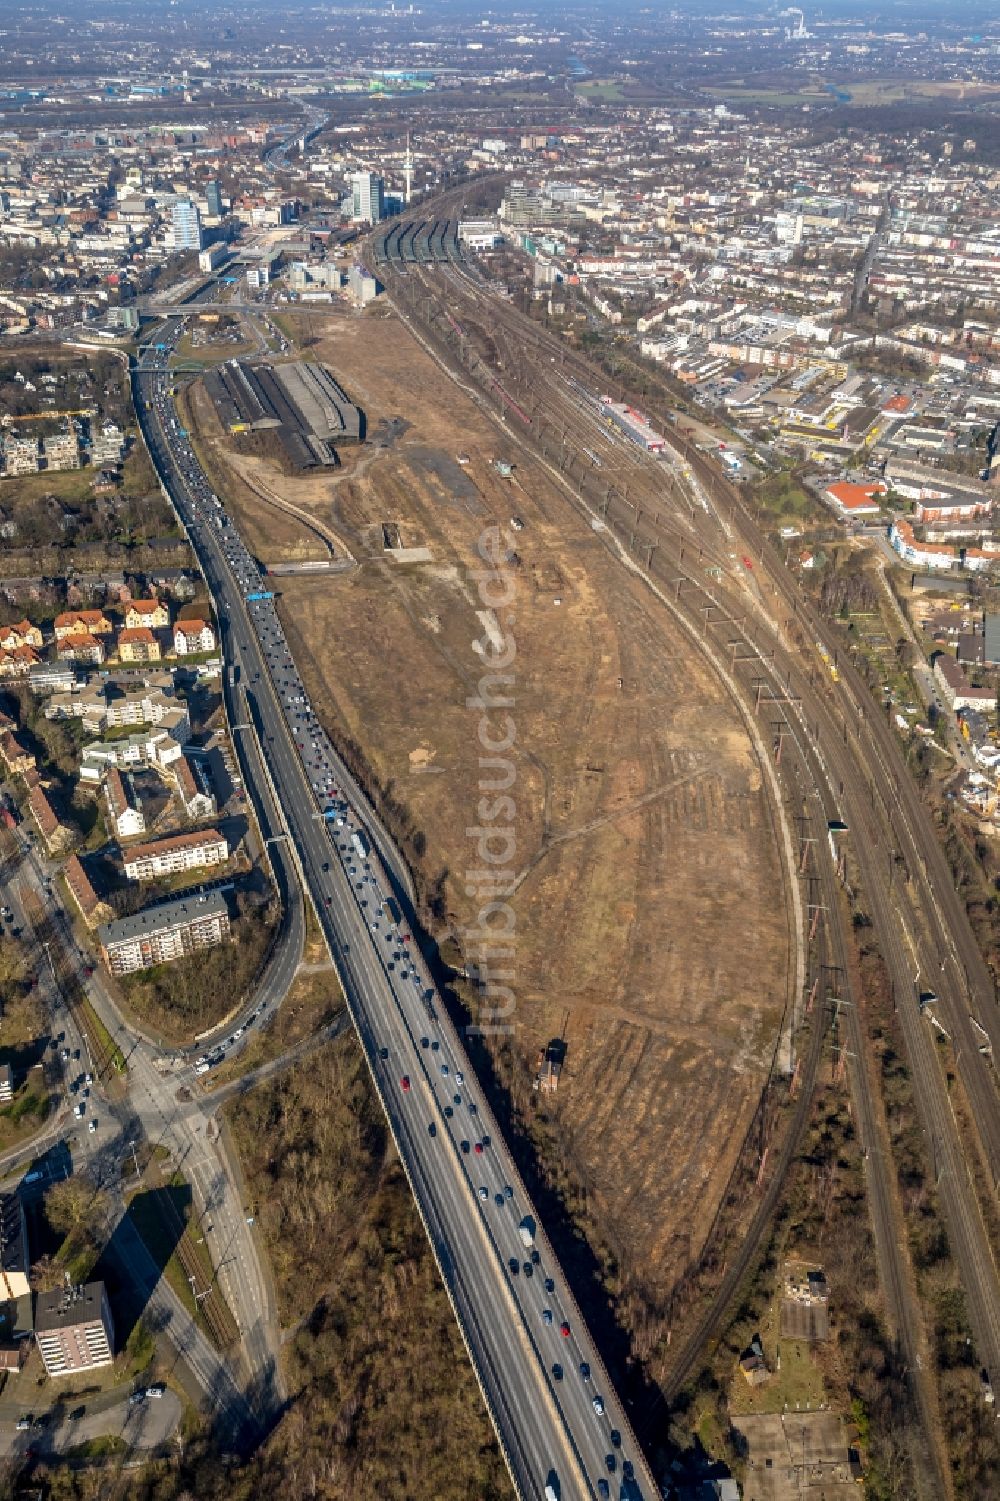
186	223
369	197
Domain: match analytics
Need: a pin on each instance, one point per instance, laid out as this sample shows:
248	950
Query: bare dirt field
649	911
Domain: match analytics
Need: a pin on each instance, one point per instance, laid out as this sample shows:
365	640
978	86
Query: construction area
793	1455
300	403
653	957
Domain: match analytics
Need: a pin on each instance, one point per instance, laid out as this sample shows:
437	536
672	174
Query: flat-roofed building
73	1329
172	930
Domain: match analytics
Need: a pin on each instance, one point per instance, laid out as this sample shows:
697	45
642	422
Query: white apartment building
167	857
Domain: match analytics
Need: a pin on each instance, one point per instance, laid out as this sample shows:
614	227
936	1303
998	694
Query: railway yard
720	734
680	523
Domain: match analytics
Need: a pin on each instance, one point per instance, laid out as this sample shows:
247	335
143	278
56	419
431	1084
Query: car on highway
564	1329
484	1192
557	1372
515	1266
404	1083
598	1406
584	1371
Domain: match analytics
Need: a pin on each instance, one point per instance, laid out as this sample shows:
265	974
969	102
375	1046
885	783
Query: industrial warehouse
301	403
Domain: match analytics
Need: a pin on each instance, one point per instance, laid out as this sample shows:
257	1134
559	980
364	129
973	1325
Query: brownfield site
651	933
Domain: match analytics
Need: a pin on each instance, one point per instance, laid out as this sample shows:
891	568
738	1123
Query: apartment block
92	909
147	612
179	852
124	808
157	746
193	636
20	455
106	444
138	645
62	450
74	622
160	934
21	633
78	646
73	1329
192	788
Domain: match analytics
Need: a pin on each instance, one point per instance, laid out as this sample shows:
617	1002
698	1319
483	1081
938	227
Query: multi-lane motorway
558	1420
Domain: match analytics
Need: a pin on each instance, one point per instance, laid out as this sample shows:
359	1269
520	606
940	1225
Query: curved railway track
848	752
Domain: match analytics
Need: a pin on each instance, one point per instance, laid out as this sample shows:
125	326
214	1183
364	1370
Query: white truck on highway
526	1230
362	846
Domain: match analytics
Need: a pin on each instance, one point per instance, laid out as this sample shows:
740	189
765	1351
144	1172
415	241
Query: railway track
841	739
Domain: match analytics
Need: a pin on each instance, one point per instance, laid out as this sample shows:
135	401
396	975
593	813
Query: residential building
6	1095
74	1329
931	555
15	756
185	225
191	636
124	807
179	852
20	454
73	622
957	691
62	450
147	612
157	746
161	934
52	677
368	197
55	833
138	645
22	633
192	788
78	646
92	909
106	444
14	1265
18	662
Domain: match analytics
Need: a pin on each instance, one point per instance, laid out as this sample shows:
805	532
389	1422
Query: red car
747	564
405	1083
479	1149
564	1329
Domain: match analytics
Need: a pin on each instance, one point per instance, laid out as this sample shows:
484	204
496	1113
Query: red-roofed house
857	500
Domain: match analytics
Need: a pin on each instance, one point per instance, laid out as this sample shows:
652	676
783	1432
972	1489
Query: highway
557	1417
